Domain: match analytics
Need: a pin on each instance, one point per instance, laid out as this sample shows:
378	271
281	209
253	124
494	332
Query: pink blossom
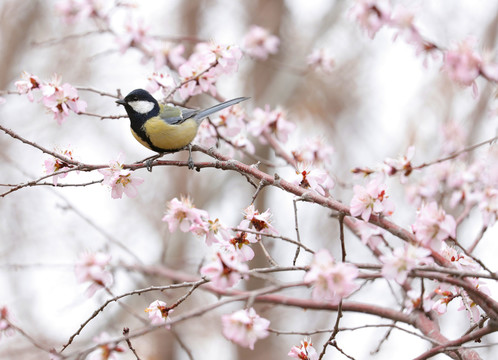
402	260
5	325
415	302
466	303
370	200
268	122
161	82
305	351
242	142
107	350
182	213
158	312
314	151
92	267
321	60
371	15
60	99
169	54
259	43
230	121
224	268
260	222
463	64
433	226
125	183
136	35
198	75
207	135
370	234
459	260
2	100
55	164
314	179
121	181
226	56
488	205
213	230
331	281
73	10
401	164
28	83
245	327
240	244
441	305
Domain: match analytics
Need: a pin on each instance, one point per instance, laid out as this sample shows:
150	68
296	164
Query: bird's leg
148	161
190	162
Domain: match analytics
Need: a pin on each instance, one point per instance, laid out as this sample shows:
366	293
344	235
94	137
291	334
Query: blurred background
377	101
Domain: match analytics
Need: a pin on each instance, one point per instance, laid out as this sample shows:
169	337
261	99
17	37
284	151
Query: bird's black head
140	106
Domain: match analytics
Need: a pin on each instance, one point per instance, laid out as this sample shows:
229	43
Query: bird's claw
148	165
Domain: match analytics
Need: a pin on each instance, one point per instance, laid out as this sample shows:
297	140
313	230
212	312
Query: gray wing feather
177	115
211	110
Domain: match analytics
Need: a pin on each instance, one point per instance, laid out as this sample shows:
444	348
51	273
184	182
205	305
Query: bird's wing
175	115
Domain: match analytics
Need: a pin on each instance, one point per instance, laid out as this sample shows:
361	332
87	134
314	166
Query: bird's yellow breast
166	136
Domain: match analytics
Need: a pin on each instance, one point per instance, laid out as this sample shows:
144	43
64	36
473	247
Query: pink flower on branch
463	64
28	83
183	214
433	226
158	312
121	181
224	268
369	200
305	351
55	164
107	350
93	268
321	60
60	99
314	179
259	222
270	122
331	281
259	43
371	15
245	327
398	265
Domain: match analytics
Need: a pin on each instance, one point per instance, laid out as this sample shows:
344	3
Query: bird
165	128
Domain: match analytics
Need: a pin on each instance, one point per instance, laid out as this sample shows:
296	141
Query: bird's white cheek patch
141	106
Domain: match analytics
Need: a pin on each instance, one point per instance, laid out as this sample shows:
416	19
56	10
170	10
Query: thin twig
305	248
128	342
183	345
116	298
267	254
296	227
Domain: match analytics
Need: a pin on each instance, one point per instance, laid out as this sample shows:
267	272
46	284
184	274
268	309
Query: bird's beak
120	102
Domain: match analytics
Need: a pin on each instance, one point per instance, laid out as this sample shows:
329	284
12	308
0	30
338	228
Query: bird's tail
206	112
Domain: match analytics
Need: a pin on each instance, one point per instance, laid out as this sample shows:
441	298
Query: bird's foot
190	162
150	160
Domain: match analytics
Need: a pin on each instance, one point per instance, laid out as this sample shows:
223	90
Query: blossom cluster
226	264
304	351
461	62
332	281
56	97
120	180
92	267
54	164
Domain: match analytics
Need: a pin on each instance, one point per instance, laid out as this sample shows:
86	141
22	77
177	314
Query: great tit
164	128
